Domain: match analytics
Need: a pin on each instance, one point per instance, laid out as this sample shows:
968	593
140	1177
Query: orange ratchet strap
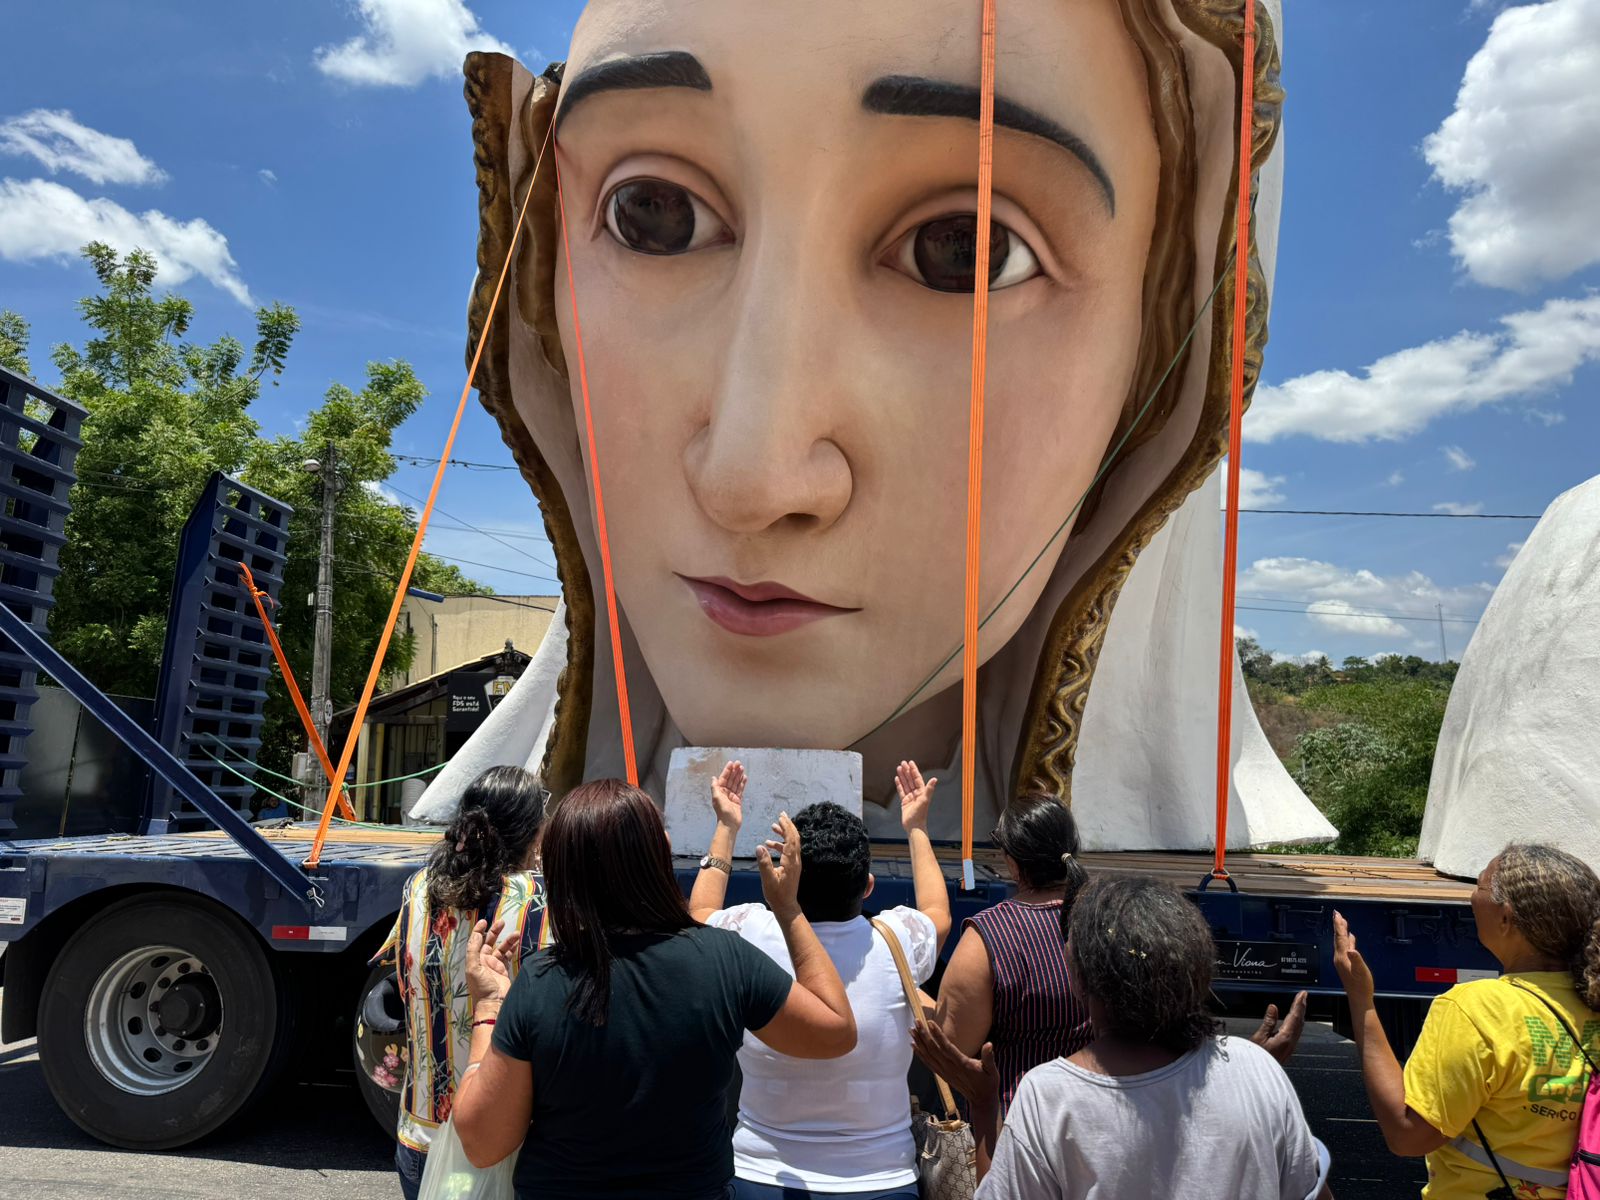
309	725
624	715
1230	552
336	784
980	354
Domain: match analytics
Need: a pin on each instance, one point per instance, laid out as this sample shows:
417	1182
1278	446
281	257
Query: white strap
1550	1179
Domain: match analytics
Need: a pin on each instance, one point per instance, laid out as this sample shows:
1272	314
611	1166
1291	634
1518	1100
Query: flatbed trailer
170	979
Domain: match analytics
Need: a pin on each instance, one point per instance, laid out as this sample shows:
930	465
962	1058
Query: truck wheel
377	1044
160	1020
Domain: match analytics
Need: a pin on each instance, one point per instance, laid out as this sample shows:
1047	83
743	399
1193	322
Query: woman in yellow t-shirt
1495	1077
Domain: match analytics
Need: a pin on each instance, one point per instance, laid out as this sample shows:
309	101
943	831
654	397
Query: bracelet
484	1021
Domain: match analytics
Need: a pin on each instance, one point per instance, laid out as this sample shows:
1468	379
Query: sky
1435	324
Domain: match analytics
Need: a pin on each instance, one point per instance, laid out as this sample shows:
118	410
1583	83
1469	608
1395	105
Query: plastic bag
450	1175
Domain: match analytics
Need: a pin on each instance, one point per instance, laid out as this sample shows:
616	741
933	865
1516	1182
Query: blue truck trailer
172	972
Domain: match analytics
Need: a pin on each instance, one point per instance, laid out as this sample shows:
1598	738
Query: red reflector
291	933
1436	975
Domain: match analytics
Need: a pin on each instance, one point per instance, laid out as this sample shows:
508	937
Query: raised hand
1353	970
916	796
727	796
488	974
780	879
1279	1037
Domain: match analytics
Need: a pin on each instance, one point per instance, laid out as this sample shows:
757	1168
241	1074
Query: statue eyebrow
915	96
665	69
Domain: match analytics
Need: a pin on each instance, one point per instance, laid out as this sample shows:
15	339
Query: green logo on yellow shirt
1554	1050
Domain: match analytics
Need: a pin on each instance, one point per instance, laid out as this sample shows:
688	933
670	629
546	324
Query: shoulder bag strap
1562	1021
914	1002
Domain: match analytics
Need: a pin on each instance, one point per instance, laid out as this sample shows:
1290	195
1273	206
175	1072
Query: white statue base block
779	781
1519	753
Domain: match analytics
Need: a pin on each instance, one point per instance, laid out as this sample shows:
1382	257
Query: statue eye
651	216
942	255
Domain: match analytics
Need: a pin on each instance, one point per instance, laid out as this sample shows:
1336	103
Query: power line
1432	516
1325	600
417	460
1374	616
544	562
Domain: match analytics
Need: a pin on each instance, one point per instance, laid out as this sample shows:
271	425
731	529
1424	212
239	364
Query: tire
368	1045
112	1065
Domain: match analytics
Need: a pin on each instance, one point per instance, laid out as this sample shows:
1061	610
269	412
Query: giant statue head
770	211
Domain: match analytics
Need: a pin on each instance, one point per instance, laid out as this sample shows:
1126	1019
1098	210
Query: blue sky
1435	325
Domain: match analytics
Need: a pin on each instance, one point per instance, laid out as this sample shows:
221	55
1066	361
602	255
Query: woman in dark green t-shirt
610	1057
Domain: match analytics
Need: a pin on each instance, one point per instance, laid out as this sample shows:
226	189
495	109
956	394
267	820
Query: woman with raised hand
482	870
609	1058
1492	1090
1158	1104
1007	979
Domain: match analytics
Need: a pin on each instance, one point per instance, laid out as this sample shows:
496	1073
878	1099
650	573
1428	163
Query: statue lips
758	609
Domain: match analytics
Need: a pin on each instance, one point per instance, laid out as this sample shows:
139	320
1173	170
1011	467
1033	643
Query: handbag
450	1175
947	1156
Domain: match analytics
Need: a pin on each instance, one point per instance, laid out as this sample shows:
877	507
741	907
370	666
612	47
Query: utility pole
1444	655
322	653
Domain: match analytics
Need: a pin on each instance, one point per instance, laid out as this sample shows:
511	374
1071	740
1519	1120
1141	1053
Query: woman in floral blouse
483	867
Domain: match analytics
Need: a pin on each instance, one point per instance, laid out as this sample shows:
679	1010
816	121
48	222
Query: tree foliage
14	343
163	414
1361	738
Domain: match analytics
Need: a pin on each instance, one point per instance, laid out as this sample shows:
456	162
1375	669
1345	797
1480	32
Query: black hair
1039	834
501	813
1140	948
607	870
835	858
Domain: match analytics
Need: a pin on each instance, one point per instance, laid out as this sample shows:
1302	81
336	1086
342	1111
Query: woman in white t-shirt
837	1126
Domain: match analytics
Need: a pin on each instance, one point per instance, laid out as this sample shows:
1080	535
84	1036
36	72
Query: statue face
771	213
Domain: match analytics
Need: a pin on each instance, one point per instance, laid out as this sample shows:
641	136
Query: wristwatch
721	864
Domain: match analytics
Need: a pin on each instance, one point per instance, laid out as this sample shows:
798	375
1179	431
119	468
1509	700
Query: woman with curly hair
482	868
1159	1103
1492	1090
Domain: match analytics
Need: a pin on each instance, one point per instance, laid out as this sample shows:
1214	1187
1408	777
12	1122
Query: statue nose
754	469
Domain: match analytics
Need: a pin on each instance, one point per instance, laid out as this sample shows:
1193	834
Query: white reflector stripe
309	933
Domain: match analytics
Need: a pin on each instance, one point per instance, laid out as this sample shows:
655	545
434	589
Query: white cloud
1456	509
1257	489
1359	602
1459	458
1344	617
1520	146
1534	351
41	219
1504	560
60	142
1239	631
1396	478
267	176
406	42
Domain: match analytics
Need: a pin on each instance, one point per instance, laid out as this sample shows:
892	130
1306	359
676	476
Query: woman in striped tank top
1007	978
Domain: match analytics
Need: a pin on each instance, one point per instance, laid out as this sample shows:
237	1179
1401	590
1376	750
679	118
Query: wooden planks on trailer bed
1331	875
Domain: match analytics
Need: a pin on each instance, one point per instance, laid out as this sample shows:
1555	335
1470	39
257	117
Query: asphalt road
318	1141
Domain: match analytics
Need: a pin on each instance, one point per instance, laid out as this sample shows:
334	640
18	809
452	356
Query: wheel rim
153	1020
380	1057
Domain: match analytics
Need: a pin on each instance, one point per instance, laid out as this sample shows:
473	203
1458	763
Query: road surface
315	1142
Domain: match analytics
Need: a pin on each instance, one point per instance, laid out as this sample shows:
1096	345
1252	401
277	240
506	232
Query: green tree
372	536
1369	772
163	414
14	343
